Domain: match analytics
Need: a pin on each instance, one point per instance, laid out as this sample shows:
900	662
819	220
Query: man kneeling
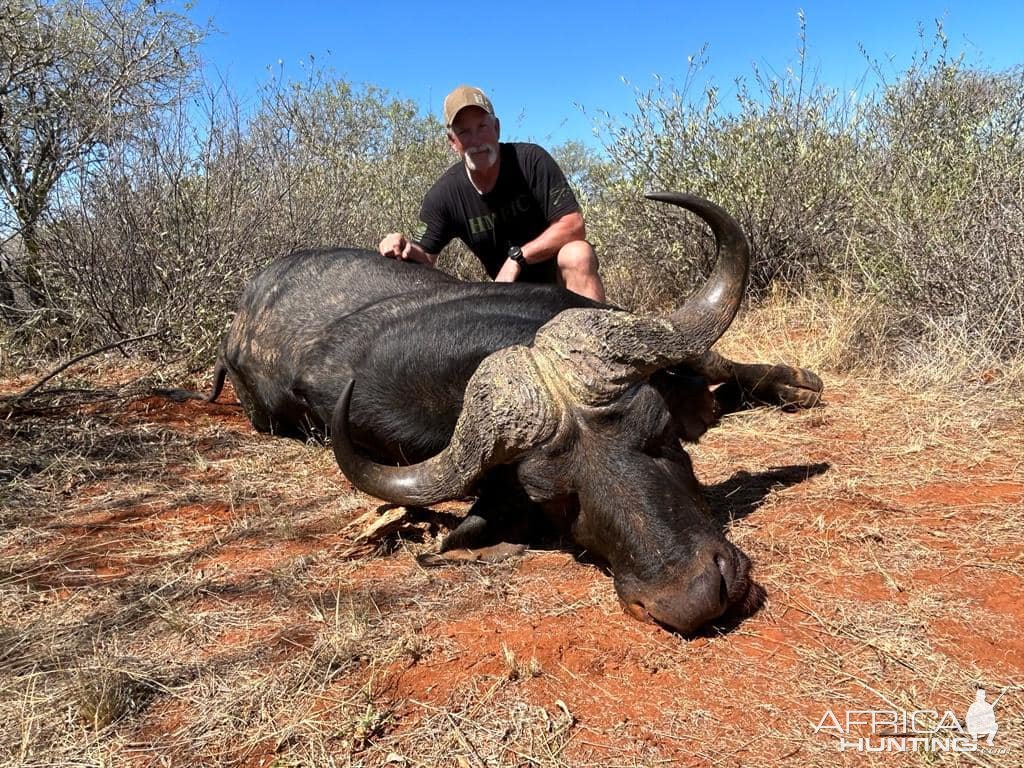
509	203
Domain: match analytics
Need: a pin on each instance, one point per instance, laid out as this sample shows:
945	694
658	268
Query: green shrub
911	194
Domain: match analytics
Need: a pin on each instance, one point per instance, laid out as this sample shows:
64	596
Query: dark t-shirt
530	193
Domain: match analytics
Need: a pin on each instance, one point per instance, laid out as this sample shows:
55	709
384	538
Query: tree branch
79	358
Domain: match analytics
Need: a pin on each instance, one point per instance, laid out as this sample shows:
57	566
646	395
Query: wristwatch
516	254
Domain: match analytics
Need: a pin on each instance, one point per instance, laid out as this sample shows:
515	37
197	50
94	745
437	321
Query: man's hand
397	246
393	246
509	272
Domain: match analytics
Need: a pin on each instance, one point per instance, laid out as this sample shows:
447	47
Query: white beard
480	162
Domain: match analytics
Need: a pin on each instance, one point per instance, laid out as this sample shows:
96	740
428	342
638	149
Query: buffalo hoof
472	532
492	554
788	387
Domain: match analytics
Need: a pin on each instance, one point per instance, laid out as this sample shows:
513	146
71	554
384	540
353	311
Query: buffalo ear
693	406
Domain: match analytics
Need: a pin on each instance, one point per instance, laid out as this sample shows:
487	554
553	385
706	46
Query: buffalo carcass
543	405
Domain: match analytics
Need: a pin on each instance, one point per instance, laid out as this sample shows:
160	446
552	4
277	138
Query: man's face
474	137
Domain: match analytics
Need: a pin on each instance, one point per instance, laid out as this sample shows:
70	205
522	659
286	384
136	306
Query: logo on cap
462	97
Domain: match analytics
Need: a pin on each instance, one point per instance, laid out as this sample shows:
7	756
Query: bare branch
78	358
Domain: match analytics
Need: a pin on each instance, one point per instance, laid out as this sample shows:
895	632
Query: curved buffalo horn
598	353
707	314
506	410
424	483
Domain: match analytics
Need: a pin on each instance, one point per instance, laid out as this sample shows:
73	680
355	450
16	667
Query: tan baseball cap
462	97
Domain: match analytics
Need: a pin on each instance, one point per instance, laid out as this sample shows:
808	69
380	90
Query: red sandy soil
748	692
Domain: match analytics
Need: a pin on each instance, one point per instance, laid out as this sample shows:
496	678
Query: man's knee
577	270
578	257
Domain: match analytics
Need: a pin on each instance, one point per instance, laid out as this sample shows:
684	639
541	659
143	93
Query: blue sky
541	61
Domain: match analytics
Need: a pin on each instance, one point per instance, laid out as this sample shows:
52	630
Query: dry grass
177	590
849	333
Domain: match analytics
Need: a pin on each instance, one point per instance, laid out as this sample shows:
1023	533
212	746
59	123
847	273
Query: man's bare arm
563	230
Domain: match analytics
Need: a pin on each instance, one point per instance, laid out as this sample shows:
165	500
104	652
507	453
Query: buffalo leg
474	531
743	385
496	527
501	513
747	384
